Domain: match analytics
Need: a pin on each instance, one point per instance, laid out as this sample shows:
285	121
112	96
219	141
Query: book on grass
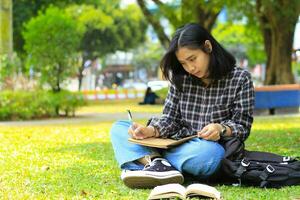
176	190
163	143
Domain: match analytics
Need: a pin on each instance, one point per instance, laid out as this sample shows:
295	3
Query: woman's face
194	61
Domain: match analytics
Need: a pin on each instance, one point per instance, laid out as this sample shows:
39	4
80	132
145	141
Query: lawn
76	161
121	105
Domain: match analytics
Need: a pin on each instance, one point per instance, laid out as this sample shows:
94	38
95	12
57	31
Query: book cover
163	143
176	190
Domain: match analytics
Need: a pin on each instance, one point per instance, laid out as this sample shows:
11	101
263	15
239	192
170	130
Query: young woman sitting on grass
209	96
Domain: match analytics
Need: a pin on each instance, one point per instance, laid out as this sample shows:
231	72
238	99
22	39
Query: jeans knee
204	163
119	128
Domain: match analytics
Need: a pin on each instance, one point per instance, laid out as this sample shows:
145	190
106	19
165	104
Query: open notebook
174	190
163	143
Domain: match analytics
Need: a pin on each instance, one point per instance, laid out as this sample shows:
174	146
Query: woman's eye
193	59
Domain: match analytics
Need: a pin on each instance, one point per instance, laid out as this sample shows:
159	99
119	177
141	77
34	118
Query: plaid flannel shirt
229	101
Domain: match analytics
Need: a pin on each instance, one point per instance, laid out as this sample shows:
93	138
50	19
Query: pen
129	116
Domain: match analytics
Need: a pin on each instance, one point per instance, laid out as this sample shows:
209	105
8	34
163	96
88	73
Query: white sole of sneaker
148	179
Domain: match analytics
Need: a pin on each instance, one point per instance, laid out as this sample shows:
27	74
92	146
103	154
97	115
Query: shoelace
150	162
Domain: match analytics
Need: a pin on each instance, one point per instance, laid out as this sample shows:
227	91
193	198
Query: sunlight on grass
50	162
77	162
115	106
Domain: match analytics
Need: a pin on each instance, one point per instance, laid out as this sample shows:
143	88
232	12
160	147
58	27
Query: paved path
104	117
81	118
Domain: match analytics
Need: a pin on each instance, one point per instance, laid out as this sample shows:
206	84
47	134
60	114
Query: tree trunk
203	13
162	36
80	74
279	70
81	69
6	32
57	83
267	35
278	21
191	11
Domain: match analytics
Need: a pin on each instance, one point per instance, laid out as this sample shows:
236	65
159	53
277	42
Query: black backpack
256	168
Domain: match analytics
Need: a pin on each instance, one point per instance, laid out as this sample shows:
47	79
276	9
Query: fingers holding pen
132	128
138	131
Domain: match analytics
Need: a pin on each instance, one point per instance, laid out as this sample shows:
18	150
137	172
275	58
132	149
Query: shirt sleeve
242	112
170	124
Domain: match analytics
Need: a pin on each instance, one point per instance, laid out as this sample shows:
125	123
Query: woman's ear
208	46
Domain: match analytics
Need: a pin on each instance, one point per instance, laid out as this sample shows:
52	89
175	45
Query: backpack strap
241	169
267	157
265	174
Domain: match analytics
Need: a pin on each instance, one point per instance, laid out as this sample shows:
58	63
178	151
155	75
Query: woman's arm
242	111
239	121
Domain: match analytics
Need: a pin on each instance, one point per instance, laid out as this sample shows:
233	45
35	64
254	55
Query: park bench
277	99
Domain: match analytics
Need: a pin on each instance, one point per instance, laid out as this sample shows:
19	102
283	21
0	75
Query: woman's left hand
210	132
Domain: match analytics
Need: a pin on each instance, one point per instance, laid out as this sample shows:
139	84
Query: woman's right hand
138	131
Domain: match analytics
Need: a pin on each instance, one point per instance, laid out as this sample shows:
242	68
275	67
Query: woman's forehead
184	52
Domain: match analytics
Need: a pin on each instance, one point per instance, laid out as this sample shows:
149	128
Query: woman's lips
197	74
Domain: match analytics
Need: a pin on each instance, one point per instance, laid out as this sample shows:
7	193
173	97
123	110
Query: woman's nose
191	69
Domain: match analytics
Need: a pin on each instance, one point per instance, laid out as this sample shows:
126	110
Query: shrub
40	104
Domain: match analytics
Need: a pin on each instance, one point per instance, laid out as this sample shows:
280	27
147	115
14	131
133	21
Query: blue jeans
198	157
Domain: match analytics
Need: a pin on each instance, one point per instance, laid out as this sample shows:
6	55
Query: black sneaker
158	172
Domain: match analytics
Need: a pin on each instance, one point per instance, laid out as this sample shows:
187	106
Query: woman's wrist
226	131
154	131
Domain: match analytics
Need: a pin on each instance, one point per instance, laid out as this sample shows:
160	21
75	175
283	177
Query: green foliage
190	11
131	27
52	41
296	68
24	10
40	104
171	10
148	56
242	40
89	17
106	29
68	102
8	67
109	29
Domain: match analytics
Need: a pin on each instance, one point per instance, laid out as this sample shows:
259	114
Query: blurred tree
9	66
6	28
105	31
242	40
202	12
277	21
52	41
24	10
148	56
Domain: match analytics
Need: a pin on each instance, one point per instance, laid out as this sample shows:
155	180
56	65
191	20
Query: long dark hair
193	36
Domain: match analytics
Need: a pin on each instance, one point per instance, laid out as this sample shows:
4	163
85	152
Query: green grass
121	105
77	162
